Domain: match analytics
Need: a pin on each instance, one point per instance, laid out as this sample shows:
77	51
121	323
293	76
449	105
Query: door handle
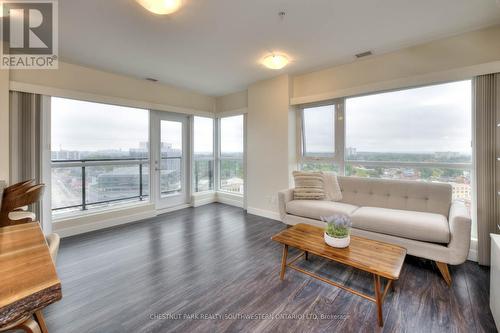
160	169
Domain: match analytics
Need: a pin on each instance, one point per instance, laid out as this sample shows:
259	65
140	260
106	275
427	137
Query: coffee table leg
306	255
283	261
378	297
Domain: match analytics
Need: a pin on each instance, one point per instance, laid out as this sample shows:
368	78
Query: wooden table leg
283	261
29	326
41	321
378	297
306	255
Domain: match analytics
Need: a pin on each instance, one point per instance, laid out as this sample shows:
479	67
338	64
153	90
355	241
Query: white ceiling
214	46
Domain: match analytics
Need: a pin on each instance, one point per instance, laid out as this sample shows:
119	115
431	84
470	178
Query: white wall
4	125
91	81
269	123
232	102
454	58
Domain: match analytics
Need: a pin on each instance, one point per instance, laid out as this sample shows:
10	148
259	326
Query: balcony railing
80	184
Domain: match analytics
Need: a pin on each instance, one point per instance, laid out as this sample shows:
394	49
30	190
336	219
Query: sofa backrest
397	194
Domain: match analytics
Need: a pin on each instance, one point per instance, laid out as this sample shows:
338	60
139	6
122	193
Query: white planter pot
337	242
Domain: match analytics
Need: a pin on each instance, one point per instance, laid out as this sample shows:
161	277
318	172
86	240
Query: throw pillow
308	186
332	187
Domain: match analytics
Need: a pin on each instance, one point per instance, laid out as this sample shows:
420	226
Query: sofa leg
443	269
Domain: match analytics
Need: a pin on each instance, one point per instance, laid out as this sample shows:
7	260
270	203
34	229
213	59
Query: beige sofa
420	216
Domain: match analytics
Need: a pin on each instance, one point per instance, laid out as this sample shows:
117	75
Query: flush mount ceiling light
161	7
275	61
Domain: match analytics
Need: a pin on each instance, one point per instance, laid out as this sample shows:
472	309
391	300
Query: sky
231	135
428	119
319	129
203	135
87	126
78	125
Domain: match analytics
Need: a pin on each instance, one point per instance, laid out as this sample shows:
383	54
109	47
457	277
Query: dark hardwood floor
216	260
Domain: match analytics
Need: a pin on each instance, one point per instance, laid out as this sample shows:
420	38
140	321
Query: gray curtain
487	114
25	139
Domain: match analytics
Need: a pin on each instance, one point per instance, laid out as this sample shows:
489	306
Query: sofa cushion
315	209
427	227
410	195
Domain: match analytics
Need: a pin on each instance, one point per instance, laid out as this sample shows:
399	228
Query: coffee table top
365	254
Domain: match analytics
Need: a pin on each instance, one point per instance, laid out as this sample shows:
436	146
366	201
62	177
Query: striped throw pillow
308	186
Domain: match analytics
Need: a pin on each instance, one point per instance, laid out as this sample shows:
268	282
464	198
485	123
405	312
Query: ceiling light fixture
161	7
275	61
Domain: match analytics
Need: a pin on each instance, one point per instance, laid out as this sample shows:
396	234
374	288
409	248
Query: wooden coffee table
380	259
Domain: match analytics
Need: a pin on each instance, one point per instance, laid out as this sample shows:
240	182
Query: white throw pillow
332	187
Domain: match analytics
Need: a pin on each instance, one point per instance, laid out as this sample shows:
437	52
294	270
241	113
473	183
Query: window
318	139
171	157
318	125
100	154
419	134
231	172
203	154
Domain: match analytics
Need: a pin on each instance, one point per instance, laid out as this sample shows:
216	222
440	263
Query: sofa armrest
284	197
460	232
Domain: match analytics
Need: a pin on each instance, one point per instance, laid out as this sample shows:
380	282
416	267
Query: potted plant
337	231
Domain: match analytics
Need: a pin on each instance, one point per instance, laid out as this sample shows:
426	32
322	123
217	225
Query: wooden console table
29	281
382	260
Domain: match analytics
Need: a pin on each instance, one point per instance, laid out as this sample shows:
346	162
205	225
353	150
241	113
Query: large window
100	154
203	154
319	139
419	134
318	125
231	172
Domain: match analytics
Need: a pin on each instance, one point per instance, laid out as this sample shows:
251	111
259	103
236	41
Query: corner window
231	169
203	154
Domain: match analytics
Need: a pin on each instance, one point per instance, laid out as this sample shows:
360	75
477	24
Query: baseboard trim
230	199
107	223
203	202
264	213
201	199
172	209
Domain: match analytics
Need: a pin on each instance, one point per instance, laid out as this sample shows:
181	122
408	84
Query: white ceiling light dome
275	60
161	7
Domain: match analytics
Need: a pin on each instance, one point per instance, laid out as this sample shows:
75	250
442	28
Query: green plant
337	226
338	232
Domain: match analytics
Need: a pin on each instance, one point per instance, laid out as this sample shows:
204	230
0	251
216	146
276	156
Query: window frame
220	157
339	130
212	159
340	157
399	164
143	163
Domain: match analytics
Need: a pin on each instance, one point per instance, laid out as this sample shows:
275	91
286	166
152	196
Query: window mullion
340	136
